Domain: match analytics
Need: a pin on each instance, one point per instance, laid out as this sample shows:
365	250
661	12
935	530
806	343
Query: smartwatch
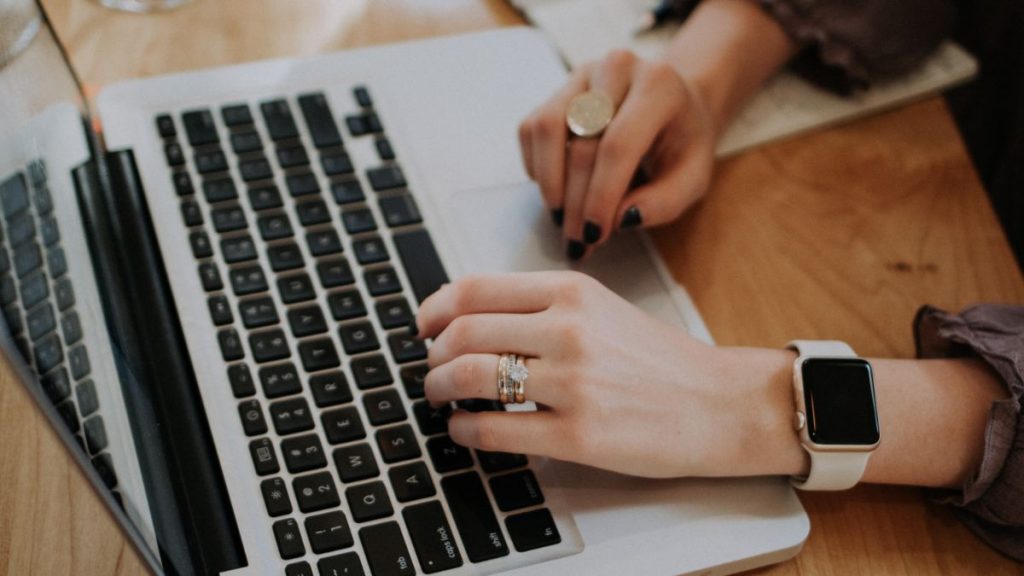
836	415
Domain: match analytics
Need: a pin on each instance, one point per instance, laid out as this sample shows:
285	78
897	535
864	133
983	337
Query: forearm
727	49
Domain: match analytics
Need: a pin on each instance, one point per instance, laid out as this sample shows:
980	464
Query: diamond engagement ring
512	375
589	114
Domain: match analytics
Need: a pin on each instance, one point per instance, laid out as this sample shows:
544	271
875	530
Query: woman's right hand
661	125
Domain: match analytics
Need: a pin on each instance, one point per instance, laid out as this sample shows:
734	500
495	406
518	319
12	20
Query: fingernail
558	216
591	232
414	329
631	218
575	250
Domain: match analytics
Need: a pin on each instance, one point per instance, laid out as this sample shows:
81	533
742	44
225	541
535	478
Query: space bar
421	262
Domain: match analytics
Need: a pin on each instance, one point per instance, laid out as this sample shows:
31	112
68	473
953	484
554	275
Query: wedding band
518	375
589	113
504	391
512	375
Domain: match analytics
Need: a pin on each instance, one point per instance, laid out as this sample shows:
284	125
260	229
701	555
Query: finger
526	146
666	197
548	135
632	132
579	166
518	432
508	293
488	333
476	376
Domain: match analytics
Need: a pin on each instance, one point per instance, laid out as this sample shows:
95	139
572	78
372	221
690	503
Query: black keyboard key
290	416
516	490
384	407
200	127
285	257
370	250
369	502
71	326
355	463
318	354
336	164
265	198
244	142
400	210
398	444
432	537
236	115
447	455
280	380
323	242
88	402
384	149
307	320
422	264
78	362
264	459
241	380
292	156
21	228
362	124
43	200
255	169
335	272
313	212
174	155
303	453
362	96
330	389
386	552
57	262
49	231
27	258
394	313
251	414
328	532
342	425
210	277
358	221
386	178
381	281
279	119
302	184
210	161
298	569
371	372
500	461
297	288
191	213
411	482
289	539
257	312
165	126
269	346
471	509
230	345
220	310
219	190
40	321
9	292
274	227
57	385
14	195
347	191
319	120
431	420
67	413
105	468
275	497
346	564
358	338
532	530
48	353
238	249
248	280
406	348
316	492
14	321
37	172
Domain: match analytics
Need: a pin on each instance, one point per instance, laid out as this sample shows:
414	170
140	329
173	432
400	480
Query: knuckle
573	287
459	335
619	60
464	377
660	73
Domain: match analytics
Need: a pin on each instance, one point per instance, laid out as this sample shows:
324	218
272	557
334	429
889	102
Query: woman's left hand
614	387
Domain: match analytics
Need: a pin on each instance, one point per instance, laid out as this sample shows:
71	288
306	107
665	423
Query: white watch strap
829	470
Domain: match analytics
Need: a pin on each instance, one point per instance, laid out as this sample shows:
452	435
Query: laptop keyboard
355	468
38	298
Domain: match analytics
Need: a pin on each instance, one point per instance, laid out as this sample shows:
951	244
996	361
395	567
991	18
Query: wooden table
842	233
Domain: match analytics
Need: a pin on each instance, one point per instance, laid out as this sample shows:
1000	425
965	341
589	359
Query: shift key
481	534
432	537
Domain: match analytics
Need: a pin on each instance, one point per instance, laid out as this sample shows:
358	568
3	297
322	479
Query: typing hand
661	126
615	388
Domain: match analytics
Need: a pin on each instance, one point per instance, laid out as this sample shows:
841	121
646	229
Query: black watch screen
839	395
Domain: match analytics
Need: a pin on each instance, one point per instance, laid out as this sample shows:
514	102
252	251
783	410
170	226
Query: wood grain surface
839	234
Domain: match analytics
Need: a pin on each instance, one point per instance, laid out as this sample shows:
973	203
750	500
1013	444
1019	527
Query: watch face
840	400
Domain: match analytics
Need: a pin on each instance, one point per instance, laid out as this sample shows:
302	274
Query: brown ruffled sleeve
853	42
991	502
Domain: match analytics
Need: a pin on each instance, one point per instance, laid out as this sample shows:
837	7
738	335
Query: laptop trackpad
508	229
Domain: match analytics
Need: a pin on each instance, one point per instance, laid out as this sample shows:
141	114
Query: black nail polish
631	218
575	250
591	232
558	216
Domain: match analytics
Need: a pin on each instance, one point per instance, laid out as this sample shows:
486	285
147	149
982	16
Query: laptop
207	286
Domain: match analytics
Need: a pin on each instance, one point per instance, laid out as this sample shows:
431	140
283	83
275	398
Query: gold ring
589	113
